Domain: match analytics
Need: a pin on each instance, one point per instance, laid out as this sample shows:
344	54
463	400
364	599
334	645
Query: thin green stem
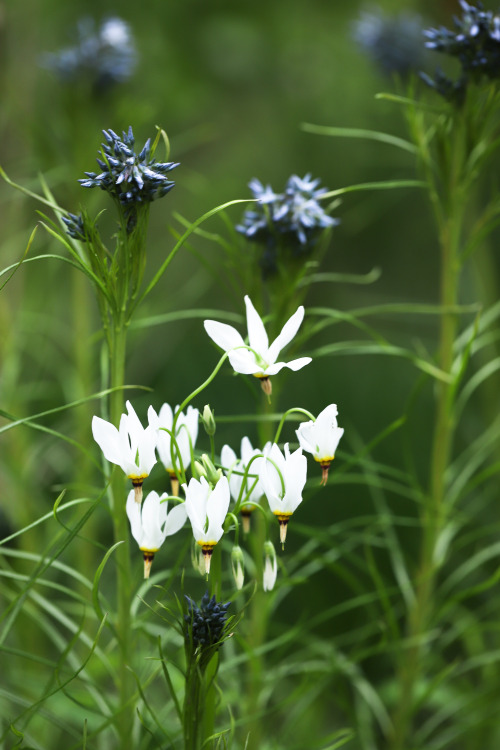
121	534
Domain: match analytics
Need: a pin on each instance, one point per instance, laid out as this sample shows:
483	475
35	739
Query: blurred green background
231	83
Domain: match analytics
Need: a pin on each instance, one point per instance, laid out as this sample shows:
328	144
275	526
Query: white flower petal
106	436
134	516
223	335
175	519
243	361
257	336
287	333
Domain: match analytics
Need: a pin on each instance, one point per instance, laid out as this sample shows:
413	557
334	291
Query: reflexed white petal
298	364
106	436
275	368
295	479
287	333
223	335
166	416
196	504
134	425
243	361
134	516
152	534
175	519
217	508
305	435
257	336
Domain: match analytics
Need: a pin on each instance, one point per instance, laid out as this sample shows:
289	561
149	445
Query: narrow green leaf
97	578
371	135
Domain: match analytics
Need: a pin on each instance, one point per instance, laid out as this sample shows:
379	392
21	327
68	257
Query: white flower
270	567
207	508
131	446
151	524
258	358
321	438
186	433
282	478
235	469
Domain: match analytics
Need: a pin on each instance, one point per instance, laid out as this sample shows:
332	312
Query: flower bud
211	474
208	419
270	566
237	565
199	470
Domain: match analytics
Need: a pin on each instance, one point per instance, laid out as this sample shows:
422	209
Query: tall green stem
123	624
435	512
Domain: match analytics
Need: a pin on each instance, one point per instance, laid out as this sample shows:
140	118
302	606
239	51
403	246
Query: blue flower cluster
128	177
475	42
104	56
205	624
393	42
293	218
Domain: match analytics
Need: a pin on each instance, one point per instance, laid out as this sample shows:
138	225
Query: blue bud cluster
129	177
393	42
205	623
74	226
104	56
475	42
293	217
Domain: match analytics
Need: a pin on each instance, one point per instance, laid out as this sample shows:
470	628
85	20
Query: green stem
125	714
435	512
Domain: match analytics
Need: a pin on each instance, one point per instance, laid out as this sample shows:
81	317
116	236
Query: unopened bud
199	470
208	419
211	474
237	565
270	566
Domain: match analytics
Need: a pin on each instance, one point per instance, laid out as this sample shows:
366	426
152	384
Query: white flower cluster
276	474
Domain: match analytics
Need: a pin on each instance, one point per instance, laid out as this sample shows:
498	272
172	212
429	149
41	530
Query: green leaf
97	578
371	135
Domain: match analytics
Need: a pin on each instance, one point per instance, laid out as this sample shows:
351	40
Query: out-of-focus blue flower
104	56
393	42
205	624
128	177
293	218
474	42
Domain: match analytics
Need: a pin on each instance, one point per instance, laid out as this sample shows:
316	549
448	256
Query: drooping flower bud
237	565
270	566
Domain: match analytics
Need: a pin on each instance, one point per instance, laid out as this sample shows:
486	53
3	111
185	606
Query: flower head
103	55
321	438
258	358
248	490
186	433
475	42
207	507
393	42
131	446
205	624
293	219
128	177
151	524
283	477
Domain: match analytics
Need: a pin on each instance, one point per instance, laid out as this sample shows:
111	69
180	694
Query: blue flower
104	56
293	219
475	42
394	43
128	177
205	624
